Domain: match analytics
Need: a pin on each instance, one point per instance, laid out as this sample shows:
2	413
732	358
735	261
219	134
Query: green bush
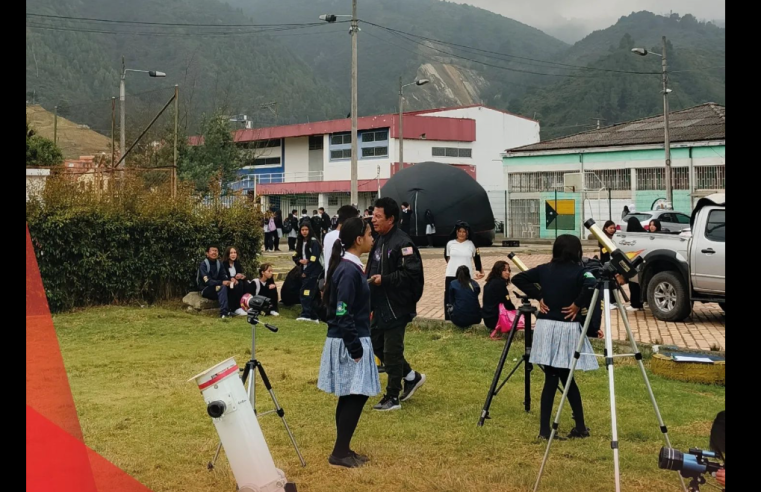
96	247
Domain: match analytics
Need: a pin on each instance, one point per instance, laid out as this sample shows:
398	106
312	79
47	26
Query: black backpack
288	225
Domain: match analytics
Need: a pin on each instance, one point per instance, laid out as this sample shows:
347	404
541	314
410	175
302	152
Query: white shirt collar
354	259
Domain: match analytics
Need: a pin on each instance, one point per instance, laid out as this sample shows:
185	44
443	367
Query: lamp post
666	90
122	94
353	30
401	119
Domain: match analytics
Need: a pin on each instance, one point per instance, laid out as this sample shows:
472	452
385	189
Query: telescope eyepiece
216	409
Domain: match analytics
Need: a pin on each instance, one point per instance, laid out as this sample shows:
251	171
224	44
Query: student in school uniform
463	294
496	293
265	286
565	288
308	255
347	367
460	251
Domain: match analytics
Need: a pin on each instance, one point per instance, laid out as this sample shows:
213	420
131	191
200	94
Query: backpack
505	321
271	225
288	225
199	280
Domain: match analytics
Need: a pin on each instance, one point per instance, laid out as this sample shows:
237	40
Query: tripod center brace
249	375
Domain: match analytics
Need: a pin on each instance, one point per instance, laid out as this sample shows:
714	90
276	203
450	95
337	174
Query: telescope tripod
249	375
606	284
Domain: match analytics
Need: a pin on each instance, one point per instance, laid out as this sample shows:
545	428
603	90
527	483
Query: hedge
93	248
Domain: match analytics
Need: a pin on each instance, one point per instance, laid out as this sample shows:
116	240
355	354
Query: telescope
520	265
619	261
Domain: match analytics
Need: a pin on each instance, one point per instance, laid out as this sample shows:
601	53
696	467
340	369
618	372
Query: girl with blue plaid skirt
347	368
563	287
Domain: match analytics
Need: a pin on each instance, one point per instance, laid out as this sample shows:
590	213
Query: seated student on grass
463	295
496	293
265	286
213	280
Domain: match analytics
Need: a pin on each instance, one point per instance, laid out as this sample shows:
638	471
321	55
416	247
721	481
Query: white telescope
228	405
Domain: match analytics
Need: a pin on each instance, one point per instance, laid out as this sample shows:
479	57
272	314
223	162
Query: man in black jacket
324	223
395	274
213	280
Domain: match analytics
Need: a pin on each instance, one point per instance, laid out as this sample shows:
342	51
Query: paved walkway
703	330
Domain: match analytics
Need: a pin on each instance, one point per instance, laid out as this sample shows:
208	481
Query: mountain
384	55
73	139
76	64
695	57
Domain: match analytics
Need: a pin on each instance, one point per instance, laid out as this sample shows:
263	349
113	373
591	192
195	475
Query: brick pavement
703	330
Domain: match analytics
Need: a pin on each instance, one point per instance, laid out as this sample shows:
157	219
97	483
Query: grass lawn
128	369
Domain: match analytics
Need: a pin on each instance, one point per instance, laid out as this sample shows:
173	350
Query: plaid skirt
341	376
555	342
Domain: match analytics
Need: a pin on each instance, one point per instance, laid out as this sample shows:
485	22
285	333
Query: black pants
553	376
635	295
307	294
430	240
291	243
276	240
270	294
447	282
234	295
220	295
388	346
348	411
268	240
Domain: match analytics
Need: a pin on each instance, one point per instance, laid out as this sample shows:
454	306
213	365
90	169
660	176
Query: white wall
296	155
366	168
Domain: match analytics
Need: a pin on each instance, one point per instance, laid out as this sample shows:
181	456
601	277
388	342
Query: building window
316	142
332	201
340	139
375	136
451	152
268	161
375	152
260	144
654	178
340	154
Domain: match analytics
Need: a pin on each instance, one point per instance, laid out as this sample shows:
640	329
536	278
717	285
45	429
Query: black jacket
397	260
325	222
561	285
406	220
496	293
314	253
213	275
238	268
466	310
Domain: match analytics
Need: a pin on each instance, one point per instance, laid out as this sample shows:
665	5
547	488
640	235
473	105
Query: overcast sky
571	20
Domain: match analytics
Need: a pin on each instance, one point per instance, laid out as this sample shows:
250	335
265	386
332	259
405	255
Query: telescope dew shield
618	259
517	262
234	418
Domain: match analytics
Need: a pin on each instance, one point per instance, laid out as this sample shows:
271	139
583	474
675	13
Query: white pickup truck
681	269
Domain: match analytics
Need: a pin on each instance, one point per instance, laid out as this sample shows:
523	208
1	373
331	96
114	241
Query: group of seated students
465	309
224	281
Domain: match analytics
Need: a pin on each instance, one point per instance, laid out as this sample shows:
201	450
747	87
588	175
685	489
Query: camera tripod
249	370
606	284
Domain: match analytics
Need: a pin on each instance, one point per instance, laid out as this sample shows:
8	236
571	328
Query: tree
218	157
40	151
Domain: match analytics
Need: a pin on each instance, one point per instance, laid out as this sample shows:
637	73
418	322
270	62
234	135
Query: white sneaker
316	321
240	312
303	319
274	313
629	308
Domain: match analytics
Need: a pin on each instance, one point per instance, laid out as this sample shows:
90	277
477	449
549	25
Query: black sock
350	411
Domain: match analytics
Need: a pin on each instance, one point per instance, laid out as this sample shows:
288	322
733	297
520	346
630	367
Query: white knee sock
410	376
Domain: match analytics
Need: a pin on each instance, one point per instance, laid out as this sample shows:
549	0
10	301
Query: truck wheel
668	297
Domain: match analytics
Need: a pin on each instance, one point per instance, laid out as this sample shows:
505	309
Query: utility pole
55	126
354	31
113	132
176	136
401	126
667	143
122	130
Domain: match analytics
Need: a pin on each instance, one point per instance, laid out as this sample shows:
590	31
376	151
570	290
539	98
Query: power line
173	24
159	33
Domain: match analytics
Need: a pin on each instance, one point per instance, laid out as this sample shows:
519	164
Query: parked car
680	269
671	221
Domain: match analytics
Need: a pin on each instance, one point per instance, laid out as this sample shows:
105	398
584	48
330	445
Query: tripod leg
498	372
280	411
611	385
528	339
638	357
566	387
210	466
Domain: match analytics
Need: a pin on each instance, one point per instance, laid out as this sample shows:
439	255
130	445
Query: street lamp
330	18
150	73
401	120
666	90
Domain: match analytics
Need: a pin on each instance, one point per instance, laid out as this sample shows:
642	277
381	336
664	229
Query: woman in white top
460	251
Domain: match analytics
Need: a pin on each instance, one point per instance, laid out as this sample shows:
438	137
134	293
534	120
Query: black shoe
411	386
578	434
359	457
381	369
347	461
388	403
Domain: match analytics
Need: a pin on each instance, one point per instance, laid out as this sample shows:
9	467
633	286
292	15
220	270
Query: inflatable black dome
450	193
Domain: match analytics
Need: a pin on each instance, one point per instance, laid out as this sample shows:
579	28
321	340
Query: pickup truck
684	268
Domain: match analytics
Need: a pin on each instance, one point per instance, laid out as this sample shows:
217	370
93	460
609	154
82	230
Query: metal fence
524	218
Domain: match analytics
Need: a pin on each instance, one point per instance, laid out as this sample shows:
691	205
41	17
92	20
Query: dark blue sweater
349	307
465	307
